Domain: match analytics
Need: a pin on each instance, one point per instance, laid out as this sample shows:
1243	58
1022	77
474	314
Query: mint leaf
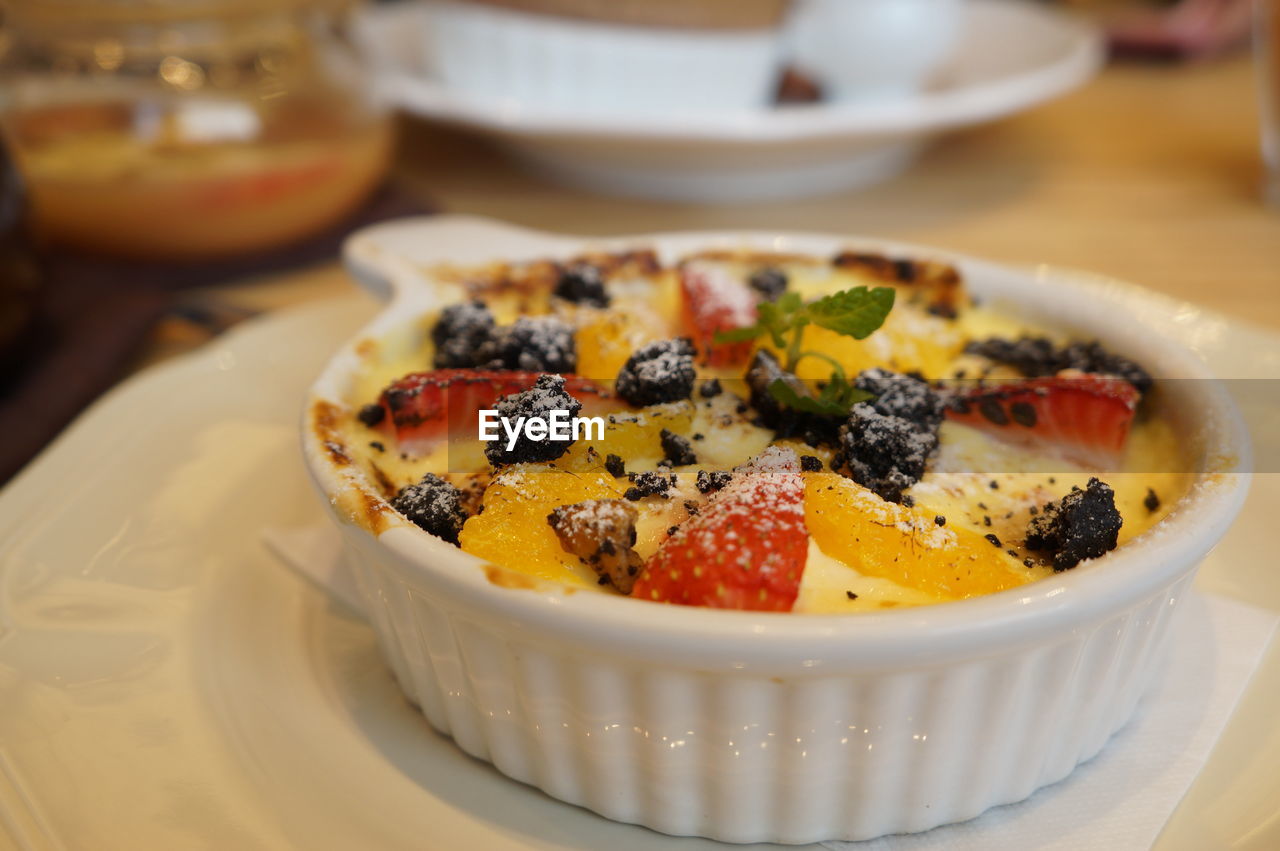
788	302
774	319
855	312
839	390
738	335
786	395
835	400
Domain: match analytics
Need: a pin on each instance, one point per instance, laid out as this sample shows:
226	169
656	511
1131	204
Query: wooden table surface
1149	173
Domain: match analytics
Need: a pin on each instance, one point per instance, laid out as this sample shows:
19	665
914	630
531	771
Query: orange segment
635	436
605	343
512	530
905	545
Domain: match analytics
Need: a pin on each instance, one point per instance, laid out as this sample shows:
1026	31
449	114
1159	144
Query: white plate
165	683
1012	55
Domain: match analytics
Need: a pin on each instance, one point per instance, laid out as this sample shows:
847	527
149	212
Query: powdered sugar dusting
716	284
762	504
598	518
922	529
534	344
661	371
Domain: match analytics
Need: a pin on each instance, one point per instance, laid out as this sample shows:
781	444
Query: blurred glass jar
187	128
1268	57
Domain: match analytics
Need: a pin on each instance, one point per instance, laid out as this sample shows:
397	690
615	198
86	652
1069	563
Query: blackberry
1037	357
810	464
709	482
1083	524
1032	356
813	429
614	465
372	414
882	452
901	395
538	402
676	449
659	372
537	344
763	371
769	282
433	505
459	333
1092	357
582	284
648	484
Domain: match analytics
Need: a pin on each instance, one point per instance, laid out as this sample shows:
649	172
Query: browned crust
747	255
364	507
506	578
680	14
374	513
472	486
384	482
325	417
938	285
540	276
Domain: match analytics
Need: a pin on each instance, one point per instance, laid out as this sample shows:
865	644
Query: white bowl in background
1011	55
872	49
751	727
562	64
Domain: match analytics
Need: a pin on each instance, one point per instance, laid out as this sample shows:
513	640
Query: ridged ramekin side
825	754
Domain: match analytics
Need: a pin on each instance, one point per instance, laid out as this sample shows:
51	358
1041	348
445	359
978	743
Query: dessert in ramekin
759	726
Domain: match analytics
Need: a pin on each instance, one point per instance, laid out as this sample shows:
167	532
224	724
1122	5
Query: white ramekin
752	727
578	66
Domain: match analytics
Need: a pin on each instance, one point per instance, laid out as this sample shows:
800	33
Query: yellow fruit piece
634	436
606	338
910	340
512	530
604	344
878	538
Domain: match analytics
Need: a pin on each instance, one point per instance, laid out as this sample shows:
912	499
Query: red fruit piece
745	549
715	300
423	407
1087	416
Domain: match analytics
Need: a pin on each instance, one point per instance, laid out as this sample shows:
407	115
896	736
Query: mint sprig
835	399
855	313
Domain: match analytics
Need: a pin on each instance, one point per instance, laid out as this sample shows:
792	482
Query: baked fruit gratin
771	432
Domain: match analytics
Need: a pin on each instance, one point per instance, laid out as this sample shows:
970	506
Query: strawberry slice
423	407
1087	416
745	549
715	300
